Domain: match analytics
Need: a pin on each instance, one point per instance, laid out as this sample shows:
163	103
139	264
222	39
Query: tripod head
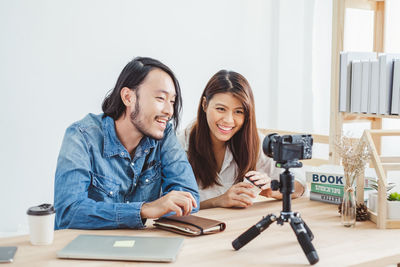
285	185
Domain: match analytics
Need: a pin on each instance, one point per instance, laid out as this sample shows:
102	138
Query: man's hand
178	201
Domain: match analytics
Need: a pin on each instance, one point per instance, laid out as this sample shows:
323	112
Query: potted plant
393	200
393	206
373	196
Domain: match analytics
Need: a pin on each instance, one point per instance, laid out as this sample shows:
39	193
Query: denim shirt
99	186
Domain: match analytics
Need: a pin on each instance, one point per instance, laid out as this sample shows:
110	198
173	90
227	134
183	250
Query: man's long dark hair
244	145
132	76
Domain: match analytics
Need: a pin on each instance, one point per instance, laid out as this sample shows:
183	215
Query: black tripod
300	228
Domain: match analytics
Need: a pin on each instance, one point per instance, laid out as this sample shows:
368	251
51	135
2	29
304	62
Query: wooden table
363	245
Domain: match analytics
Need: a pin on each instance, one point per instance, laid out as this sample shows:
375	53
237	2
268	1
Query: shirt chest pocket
103	188
151	176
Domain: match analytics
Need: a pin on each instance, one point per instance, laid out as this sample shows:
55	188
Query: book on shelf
365	73
355	89
396	87
325	198
386	81
373	87
346	59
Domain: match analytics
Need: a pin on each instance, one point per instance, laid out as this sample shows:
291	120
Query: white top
229	168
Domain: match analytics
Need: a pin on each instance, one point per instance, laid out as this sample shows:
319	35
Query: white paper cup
41	224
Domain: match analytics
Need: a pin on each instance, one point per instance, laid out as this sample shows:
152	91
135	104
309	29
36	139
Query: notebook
128	248
190	225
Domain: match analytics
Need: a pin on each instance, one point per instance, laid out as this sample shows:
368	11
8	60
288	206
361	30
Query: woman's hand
239	195
260	179
298	192
271	194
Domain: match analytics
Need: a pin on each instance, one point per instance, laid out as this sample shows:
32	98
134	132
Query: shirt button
122	154
134	184
127	201
147	180
111	192
146	151
133	164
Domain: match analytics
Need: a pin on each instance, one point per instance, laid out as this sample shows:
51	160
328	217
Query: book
365	73
345	76
335	190
373	87
386	81
328	189
325	198
355	89
396	87
334	174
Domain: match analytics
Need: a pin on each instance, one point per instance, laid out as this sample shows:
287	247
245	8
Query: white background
58	59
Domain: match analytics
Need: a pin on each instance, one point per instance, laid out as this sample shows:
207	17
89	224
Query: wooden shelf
363	116
382	165
374	135
337	118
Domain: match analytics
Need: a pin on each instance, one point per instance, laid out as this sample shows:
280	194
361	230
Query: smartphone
256	189
7	254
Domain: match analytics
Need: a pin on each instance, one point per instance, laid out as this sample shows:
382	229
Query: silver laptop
128	248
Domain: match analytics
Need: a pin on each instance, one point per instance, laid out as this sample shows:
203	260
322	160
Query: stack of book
329	193
369	84
327	183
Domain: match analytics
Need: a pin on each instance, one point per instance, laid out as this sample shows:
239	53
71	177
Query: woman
223	145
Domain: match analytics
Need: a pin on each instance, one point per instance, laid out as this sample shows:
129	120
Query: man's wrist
144	211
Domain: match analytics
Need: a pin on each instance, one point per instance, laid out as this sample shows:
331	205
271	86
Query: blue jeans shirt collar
113	146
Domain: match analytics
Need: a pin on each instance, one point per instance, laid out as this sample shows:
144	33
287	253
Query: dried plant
354	154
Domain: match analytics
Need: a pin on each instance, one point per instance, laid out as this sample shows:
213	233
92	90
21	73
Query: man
117	169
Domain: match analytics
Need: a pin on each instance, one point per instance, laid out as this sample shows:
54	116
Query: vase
349	207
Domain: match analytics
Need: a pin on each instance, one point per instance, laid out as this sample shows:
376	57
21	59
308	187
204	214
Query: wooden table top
336	245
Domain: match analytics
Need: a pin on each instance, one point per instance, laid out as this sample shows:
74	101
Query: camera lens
267	144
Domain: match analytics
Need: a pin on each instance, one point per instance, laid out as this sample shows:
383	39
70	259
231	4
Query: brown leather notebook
190	225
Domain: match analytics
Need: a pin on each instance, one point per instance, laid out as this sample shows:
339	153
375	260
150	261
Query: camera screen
292	151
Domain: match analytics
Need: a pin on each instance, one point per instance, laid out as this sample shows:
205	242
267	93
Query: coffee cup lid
43	209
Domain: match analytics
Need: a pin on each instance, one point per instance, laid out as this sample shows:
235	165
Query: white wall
321	67
58	59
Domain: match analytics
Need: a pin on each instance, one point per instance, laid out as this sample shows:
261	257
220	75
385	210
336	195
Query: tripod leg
253	231
310	234
303	237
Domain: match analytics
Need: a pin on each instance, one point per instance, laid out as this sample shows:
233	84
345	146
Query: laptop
127	248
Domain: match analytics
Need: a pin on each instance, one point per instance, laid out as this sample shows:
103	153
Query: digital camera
288	147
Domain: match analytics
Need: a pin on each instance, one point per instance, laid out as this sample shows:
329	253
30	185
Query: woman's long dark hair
132	76
244	144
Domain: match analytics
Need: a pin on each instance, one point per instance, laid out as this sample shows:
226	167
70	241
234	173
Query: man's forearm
88	214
